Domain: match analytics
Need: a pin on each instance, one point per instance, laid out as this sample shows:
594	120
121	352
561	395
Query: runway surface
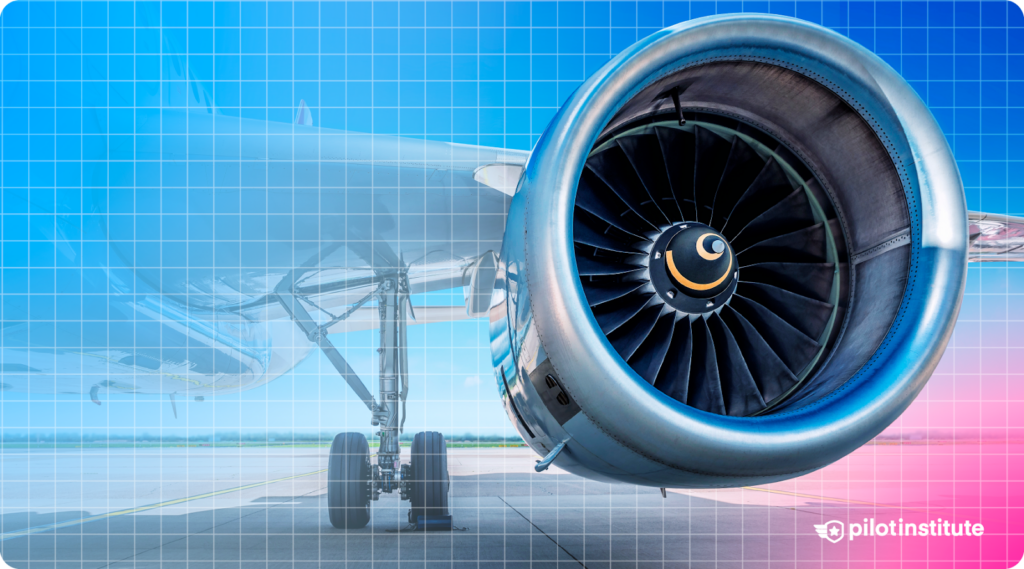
257	507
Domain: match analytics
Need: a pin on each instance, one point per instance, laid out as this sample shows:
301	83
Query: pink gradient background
957	453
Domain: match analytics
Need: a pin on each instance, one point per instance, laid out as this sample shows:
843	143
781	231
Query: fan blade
802	246
677	150
647	360
628	337
602	292
712	153
772	376
674	375
739	390
705	384
614	169
740	171
805	314
585	235
791	214
613	314
594	197
769	187
644	154
592	267
792	346
807	279
599	225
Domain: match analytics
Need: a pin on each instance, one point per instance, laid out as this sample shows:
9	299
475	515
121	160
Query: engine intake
710	259
736	255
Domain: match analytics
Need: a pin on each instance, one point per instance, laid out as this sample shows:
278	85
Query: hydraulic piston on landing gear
392	299
352	480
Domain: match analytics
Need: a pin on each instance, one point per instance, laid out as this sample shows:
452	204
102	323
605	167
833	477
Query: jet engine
736	254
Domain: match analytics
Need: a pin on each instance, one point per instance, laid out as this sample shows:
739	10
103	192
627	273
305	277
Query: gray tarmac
257	507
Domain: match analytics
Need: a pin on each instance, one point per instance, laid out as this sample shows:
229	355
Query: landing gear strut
353	480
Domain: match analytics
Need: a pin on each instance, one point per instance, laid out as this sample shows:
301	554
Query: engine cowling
736	254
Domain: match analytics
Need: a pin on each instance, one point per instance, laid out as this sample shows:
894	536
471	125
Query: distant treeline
127	436
284	438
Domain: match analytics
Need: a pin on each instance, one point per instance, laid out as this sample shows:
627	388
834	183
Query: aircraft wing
995	237
168	264
155	267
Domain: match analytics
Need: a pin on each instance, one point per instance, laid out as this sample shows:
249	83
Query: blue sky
488	73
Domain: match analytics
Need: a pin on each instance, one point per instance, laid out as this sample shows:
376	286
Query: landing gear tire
429	494
348	481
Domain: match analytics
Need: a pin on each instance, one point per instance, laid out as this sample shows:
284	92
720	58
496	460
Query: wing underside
179	298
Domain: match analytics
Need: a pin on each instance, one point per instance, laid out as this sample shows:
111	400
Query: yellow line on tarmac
59	525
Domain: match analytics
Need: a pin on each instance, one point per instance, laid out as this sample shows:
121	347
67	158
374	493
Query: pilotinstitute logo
832	531
835	530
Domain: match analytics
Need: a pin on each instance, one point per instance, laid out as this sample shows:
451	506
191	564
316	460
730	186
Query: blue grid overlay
84	85
488	73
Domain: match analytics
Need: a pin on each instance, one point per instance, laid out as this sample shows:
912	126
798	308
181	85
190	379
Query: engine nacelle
736	255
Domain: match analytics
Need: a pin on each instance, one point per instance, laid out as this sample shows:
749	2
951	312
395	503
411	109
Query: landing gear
353	481
348	481
429	483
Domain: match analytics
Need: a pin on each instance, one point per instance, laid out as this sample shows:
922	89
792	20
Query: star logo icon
832	531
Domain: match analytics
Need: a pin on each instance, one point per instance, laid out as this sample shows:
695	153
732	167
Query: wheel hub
693	268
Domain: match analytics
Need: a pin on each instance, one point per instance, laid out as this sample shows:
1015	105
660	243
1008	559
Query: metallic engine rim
809	437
